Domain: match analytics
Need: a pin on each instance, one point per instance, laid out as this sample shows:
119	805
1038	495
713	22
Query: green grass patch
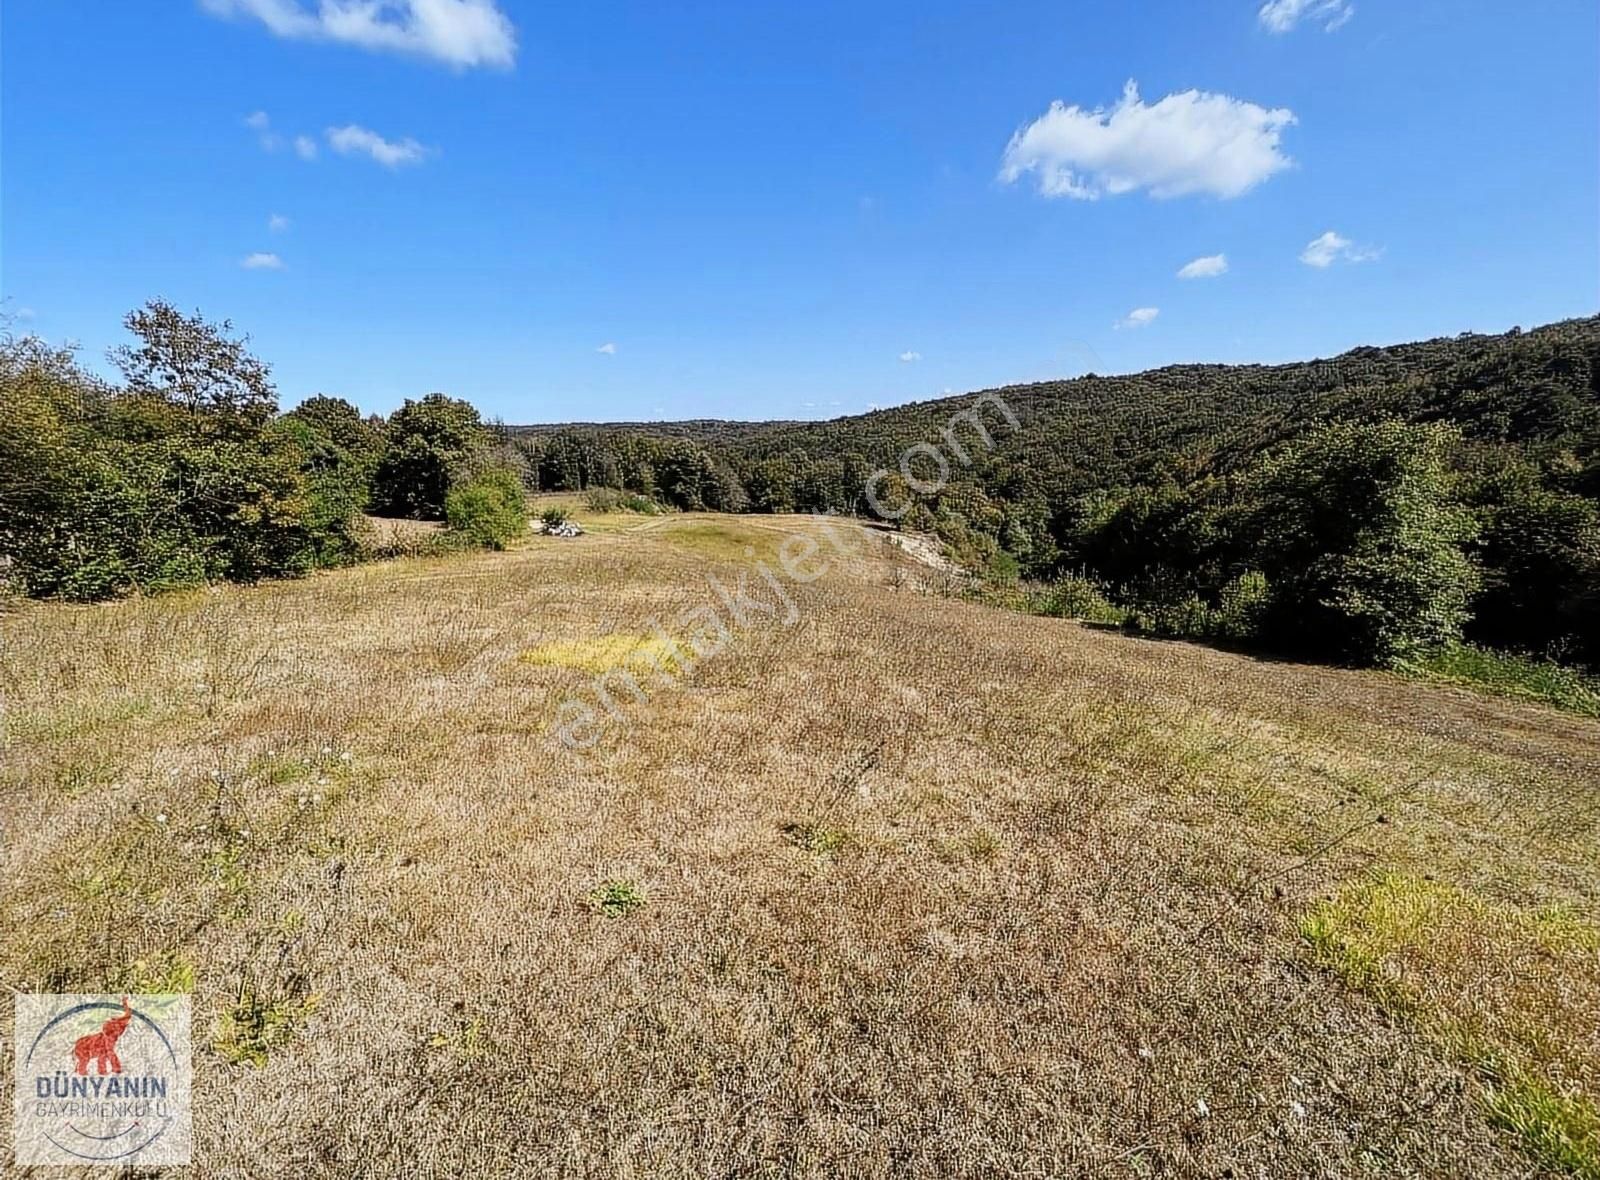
720	541
1511	676
1560	1130
168	973
616	899
1502	990
257	1025
818	839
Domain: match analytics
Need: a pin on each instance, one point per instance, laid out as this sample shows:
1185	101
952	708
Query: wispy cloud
261	123
1139	317
354	140
1326	249
460	33
1208	267
278	223
261	261
271	140
608	348
909	357
1185	144
1281	16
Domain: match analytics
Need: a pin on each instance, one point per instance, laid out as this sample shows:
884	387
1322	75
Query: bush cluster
186	472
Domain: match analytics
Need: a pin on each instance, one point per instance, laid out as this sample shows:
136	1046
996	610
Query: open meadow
863	881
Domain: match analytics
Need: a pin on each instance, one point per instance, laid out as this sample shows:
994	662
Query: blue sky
792	210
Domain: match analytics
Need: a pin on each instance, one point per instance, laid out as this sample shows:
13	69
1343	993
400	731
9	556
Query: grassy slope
927	887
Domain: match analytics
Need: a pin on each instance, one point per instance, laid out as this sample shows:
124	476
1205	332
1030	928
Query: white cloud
1208	267
1323	251
1187	143
260	261
460	33
1139	317
608	348
305	147
354	140
25	314
908	357
261	124
1281	16
277	223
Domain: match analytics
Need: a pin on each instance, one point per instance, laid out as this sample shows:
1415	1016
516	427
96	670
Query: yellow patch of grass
605	652
1506	991
721	540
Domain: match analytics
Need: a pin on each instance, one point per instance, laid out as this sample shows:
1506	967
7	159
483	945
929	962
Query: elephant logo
101	1047
126	1097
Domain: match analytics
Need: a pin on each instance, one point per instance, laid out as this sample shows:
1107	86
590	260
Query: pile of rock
566	528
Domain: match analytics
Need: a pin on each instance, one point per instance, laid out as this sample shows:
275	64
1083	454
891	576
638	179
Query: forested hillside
1368	509
1363	507
1538	390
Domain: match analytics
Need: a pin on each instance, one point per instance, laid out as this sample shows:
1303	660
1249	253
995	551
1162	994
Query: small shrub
256	1025
1074	597
1187	618
1003	567
554	517
489	511
616	899
1242	606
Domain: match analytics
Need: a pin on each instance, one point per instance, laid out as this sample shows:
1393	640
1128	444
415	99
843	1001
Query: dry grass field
890	884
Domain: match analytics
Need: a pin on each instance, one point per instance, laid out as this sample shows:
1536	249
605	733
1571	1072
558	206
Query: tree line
1362	509
186	472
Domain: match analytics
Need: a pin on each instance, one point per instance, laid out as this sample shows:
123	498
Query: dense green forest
1367	508
1354	508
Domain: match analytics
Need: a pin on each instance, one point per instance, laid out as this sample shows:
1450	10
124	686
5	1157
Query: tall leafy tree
430	442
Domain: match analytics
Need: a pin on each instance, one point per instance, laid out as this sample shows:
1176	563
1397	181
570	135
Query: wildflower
161	817
346	756
1298	1110
1201	1109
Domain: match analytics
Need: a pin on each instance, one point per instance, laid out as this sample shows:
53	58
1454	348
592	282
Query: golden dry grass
907	887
